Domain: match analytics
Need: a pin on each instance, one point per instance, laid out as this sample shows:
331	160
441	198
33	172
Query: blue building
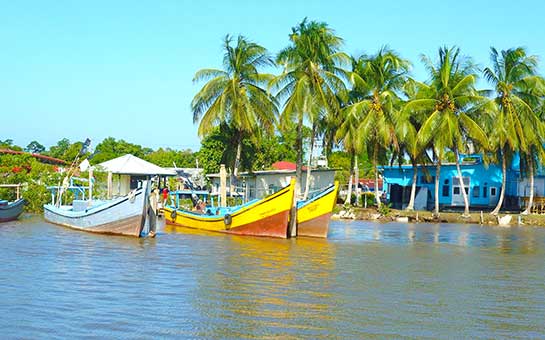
481	182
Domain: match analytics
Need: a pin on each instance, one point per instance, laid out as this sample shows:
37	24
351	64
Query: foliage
35	147
235	97
384	209
172	158
34	176
8	144
111	148
312	80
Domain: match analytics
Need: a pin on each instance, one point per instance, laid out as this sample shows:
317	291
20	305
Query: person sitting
200	207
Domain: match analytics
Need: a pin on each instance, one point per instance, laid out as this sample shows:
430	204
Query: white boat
121	216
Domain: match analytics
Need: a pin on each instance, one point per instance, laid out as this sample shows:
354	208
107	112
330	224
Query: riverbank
475	217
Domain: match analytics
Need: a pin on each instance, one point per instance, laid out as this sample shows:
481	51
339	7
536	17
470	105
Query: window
476	191
466	189
456	191
446	189
485	191
493	191
446	181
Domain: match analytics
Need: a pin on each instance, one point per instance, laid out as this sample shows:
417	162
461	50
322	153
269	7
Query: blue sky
95	69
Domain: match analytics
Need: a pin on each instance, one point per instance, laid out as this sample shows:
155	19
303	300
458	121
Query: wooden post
109	193
18	191
223	186
90	186
292	226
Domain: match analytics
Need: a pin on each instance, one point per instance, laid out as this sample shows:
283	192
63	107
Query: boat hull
313	215
122	216
267	217
12	210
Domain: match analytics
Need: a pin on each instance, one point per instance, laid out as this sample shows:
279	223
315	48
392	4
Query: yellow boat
264	217
313	215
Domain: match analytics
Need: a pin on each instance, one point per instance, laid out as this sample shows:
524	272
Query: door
457	196
493	195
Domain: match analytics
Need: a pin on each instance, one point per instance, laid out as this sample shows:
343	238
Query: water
366	280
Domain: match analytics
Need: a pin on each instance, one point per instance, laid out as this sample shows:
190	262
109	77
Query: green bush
384	209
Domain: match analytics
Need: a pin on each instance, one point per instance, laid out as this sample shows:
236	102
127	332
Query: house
482	184
126	171
258	184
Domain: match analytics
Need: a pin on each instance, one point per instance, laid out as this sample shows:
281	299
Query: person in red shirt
165	195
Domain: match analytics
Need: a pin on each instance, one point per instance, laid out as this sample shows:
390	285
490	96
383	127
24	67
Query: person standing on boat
165	195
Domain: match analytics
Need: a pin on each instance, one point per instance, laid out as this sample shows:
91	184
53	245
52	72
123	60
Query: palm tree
517	128
311	80
348	134
407	129
378	79
236	95
447	99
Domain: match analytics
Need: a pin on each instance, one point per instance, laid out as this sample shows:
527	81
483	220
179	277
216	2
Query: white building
259	184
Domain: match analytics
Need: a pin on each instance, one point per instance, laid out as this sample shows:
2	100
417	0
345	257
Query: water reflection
267	284
366	280
505	240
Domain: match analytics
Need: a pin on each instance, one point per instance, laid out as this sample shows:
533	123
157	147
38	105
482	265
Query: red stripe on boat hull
316	227
272	226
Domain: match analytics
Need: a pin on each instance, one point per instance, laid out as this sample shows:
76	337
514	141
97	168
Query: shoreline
404	216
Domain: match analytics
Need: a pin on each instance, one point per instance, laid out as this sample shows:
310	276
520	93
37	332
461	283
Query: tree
349	135
448	99
378	78
8	144
111	148
517	128
311	80
408	125
35	147
235	95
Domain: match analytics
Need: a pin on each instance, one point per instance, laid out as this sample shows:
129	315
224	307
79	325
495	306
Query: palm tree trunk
460	179
437	174
375	161
410	206
503	183
307	184
349	192
234	173
299	162
531	200
357	180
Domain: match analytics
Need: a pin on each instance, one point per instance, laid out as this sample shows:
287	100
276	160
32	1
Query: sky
94	69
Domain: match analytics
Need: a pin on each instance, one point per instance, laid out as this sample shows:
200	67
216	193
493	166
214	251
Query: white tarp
132	165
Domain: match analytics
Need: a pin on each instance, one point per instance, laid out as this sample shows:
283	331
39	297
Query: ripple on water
367	279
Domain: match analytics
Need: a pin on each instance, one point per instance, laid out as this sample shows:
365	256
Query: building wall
483	183
261	184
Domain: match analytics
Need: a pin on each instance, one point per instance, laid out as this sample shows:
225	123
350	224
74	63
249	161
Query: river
367	280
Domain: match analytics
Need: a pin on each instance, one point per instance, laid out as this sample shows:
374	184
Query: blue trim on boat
326	191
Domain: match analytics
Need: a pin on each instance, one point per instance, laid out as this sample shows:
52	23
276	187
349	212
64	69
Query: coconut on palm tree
236	95
517	128
447	99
